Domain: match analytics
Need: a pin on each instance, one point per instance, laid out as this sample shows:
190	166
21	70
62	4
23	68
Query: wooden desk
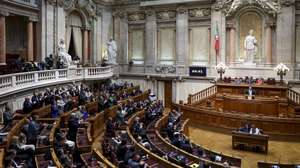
261	90
269	165
250	140
269	106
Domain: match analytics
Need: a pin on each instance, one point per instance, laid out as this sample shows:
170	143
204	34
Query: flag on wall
217	40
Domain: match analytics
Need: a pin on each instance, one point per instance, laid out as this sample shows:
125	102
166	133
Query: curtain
68	37
77	36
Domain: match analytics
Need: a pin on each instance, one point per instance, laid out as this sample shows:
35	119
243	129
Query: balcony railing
14	82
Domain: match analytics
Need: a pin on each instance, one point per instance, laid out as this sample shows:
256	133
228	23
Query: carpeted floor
283	151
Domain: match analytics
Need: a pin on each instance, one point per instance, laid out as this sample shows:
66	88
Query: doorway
168	93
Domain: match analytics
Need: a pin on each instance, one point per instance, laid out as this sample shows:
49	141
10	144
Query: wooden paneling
270	125
261	90
269	106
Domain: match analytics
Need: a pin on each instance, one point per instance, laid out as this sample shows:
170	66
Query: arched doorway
74	35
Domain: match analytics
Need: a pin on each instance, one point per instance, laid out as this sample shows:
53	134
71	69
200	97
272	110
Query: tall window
199	45
137	46
166	45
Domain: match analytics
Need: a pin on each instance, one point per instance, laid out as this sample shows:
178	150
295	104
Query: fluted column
29	40
182	33
85	46
151	38
268	41
232	44
2	40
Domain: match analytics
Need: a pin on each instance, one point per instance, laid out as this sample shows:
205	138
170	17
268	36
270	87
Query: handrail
103	159
21	81
184	130
293	96
191	156
194	98
139	146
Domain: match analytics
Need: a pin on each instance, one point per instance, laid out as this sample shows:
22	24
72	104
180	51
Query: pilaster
182	33
151	38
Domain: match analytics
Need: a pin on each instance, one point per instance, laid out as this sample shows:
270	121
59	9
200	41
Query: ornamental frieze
166	15
199	12
136	16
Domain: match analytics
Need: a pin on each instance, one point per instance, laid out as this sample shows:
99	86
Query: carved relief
230	7
136	16
165	15
120	13
87	5
165	69
287	2
66	4
199	12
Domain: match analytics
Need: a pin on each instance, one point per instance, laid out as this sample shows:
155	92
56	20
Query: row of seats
44	145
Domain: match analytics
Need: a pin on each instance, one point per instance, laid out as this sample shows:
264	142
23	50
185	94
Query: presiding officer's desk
250	140
263	90
260	105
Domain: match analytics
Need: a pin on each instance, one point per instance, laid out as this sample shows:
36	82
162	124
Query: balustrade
294	96
13	82
202	95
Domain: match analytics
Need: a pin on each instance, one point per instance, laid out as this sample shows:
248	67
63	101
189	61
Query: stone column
232	35
30	40
2	40
121	34
285	34
182	37
96	39
123	54
268	41
85	46
151	39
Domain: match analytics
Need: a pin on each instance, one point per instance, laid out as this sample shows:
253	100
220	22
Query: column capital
32	19
150	12
270	24
182	10
4	13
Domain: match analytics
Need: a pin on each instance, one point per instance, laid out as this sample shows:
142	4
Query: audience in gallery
248	80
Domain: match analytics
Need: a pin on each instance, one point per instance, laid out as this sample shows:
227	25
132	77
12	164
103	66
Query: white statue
63	55
250	46
112	51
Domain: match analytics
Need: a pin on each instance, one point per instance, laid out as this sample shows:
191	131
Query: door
168	94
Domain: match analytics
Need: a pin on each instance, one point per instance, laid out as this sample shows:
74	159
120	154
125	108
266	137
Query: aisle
286	152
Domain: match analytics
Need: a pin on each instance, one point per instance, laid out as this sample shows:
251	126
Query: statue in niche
250	47
112	50
63	56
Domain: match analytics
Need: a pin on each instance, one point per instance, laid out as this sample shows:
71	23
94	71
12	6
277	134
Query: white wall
180	90
183	89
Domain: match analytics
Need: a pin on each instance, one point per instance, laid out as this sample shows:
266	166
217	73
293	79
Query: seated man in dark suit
250	92
245	129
